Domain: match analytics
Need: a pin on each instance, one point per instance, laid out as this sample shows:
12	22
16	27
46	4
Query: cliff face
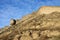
34	26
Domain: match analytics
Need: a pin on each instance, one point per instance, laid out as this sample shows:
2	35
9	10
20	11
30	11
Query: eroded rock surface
34	27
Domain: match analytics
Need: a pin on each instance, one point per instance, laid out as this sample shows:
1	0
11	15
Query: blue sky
17	8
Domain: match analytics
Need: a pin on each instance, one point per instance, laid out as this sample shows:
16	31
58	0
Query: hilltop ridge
41	25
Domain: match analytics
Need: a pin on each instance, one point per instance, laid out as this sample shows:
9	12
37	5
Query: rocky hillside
33	26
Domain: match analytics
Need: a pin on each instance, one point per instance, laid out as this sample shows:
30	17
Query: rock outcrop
34	26
12	22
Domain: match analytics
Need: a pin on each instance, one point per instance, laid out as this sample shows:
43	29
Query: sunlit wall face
17	8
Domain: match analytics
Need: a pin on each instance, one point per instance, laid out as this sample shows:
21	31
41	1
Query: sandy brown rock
41	25
12	22
17	37
26	38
